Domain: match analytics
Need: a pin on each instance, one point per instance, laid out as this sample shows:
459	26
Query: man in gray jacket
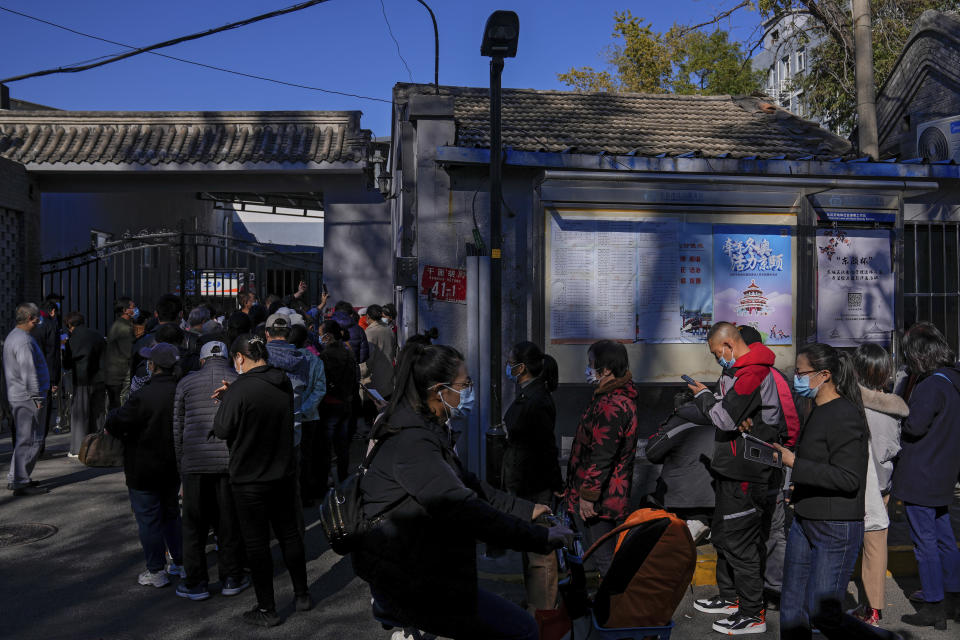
202	460
28	382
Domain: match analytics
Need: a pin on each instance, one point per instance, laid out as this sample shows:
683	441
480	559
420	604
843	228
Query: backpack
341	511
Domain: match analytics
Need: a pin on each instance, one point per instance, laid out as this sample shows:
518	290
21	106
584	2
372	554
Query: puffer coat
197	450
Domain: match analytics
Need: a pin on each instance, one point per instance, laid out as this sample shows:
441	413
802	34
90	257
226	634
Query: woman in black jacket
531	466
829	475
420	559
256	419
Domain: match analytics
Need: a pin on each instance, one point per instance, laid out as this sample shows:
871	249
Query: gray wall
357	253
19	240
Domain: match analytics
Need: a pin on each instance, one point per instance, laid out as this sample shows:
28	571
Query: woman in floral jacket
600	471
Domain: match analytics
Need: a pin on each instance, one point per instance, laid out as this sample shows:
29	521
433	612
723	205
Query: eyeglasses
806	373
468	384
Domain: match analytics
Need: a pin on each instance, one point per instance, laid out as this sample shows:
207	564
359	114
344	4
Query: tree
679	61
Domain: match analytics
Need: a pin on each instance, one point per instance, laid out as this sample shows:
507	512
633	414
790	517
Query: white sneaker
698	530
153	579
174	569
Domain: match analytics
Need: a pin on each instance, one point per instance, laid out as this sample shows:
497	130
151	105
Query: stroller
652	567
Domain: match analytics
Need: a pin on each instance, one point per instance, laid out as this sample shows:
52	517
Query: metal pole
495	436
866	91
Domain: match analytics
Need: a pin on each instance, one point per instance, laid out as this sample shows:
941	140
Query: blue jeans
819	561
935	546
158	521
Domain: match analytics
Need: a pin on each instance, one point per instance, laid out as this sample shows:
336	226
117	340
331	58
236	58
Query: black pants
261	505
310	452
740	528
86	412
208	501
334	439
114	396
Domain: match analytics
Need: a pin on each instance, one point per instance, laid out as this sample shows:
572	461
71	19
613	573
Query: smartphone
688	379
760	451
323	287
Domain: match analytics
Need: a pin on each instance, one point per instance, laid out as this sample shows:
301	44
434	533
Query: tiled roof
112	138
642	124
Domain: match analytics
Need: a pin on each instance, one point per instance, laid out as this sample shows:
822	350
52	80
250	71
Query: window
801	59
931	276
784	72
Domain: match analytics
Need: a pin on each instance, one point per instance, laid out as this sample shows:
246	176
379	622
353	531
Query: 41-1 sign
443	284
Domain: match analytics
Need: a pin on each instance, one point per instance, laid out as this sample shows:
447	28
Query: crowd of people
236	422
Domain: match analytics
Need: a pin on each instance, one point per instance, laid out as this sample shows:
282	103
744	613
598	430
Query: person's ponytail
252	347
551	373
845	380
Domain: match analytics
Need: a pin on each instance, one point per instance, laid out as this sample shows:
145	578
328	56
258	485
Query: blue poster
752	281
695	280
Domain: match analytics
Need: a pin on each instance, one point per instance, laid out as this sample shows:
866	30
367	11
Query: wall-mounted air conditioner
939	140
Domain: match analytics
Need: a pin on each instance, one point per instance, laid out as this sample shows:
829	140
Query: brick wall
19	240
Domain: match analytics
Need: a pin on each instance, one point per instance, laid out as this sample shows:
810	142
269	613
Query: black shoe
716	604
261	617
13	487
304	602
952	604
30	491
929	614
60	430
232	586
741	624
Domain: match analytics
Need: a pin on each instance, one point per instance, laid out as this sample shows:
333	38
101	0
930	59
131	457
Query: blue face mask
464	407
802	386
136	312
510	375
726	364
591	374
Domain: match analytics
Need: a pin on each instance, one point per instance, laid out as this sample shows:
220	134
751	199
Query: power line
81	66
383	8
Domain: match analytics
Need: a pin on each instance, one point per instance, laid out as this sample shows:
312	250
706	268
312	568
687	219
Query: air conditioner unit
939	140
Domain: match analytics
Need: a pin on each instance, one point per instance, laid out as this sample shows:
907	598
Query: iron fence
198	266
932	276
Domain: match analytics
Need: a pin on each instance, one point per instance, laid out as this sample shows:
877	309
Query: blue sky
342	45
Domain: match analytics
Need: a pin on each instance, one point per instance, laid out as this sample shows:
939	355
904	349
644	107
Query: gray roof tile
185	138
646	124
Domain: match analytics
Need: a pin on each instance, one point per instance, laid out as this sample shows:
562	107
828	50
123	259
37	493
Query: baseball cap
278	320
213	349
161	354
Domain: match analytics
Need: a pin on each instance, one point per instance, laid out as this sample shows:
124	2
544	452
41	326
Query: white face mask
237	368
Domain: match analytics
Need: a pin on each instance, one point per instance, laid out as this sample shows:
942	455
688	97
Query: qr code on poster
854	301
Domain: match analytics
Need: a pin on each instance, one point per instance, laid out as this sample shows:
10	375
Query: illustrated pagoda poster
752	281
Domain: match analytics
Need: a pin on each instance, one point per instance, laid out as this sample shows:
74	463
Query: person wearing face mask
333	438
830	479
531	467
255	417
745	490
600	469
420	558
116	361
145	426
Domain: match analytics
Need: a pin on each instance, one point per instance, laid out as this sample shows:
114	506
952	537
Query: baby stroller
652	567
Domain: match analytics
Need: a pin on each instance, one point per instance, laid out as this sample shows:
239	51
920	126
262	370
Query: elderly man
28	382
203	463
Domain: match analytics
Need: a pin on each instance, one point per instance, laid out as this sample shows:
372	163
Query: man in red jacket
744	506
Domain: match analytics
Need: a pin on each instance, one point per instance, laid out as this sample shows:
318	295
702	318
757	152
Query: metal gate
932	276
195	265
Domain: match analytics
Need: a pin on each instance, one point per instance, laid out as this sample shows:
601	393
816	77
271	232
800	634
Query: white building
784	57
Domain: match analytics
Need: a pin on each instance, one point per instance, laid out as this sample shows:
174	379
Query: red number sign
443	284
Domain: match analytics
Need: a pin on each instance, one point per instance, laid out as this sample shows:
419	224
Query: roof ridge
460	90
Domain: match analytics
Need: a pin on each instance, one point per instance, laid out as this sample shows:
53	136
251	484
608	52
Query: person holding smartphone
28	382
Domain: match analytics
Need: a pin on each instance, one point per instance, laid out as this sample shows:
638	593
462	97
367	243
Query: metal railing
932	276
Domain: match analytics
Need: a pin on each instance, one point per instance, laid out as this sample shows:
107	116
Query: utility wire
80	66
383	8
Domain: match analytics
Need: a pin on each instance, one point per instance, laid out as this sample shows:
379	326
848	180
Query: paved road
81	583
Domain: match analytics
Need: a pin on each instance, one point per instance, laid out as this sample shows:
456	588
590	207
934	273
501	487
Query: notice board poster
752	280
695	282
612	279
855	286
662	280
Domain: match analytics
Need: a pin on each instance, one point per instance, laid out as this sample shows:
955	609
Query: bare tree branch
717	18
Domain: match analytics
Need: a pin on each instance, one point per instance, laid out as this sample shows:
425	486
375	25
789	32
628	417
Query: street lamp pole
500	38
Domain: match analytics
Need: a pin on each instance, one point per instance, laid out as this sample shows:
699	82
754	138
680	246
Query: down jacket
602	456
421	562
193	412
358	338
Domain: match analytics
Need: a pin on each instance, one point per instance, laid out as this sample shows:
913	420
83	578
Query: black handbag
341	511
